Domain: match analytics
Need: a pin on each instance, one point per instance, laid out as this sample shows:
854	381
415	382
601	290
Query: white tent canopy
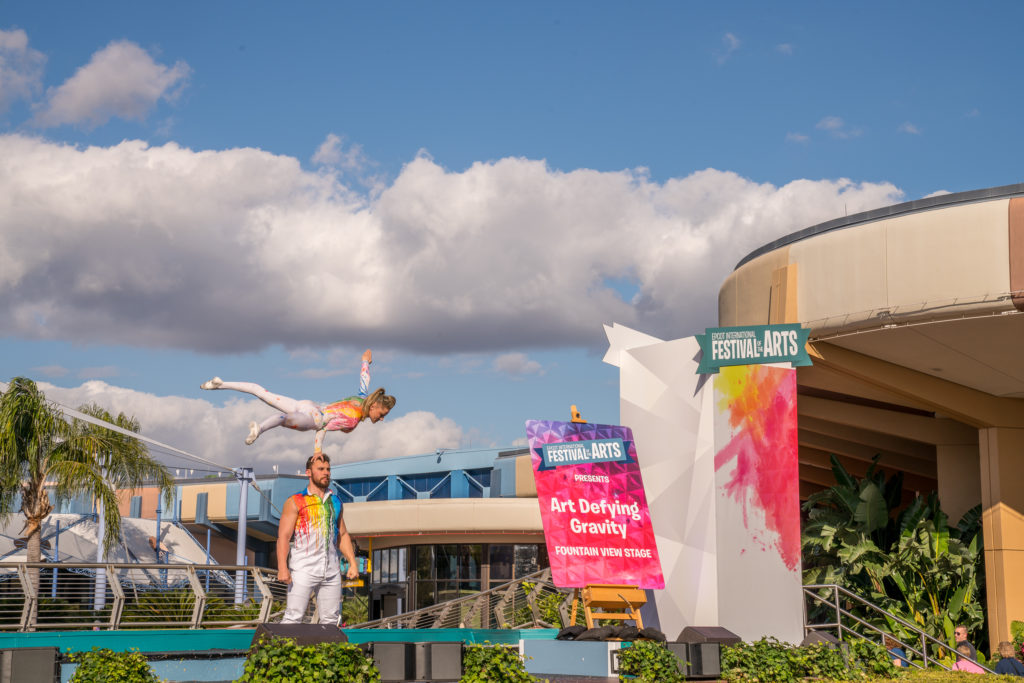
77	543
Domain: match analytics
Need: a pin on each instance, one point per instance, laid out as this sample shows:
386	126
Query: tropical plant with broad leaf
909	561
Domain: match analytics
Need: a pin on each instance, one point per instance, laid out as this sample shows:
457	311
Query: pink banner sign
592	502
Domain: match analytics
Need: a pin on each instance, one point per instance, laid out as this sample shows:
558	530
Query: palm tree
40	451
122	464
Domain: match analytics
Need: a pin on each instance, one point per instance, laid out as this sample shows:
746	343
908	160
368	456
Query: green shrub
649	662
871	659
281	660
908	559
765	660
770	660
1017	633
355	609
107	666
488	663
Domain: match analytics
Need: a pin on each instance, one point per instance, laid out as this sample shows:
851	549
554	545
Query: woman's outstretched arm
364	374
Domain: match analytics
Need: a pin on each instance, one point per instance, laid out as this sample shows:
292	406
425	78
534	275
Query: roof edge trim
915	206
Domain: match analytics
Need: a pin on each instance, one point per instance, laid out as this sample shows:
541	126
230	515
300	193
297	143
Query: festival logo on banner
592	502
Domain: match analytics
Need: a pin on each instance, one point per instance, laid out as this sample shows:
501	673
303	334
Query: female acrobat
341	416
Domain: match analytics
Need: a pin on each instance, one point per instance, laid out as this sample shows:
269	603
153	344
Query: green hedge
280	660
106	666
771	661
486	663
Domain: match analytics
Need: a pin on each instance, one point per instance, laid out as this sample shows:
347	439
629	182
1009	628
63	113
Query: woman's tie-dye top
345	415
315	541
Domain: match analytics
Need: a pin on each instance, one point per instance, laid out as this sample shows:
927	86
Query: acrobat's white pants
328	597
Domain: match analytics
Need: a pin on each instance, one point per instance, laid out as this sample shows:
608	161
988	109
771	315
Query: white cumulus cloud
21	68
517	364
333	152
838	128
730	44
121	80
236	250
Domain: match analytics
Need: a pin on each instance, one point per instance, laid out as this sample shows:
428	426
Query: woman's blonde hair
378	395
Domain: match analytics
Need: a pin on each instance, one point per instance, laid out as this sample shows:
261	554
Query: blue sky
260	191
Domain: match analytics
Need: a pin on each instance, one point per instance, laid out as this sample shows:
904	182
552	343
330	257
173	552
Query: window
389	566
469	562
424	567
479	482
501	558
375	488
446	571
526	560
426	486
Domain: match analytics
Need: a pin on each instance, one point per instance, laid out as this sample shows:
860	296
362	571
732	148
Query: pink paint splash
761	405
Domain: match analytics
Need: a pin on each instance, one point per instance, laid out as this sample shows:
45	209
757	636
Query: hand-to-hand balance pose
342	416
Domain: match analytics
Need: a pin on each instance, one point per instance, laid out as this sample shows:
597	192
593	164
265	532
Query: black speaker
815	637
302	634
29	665
708	634
705	660
682	653
396	661
438	661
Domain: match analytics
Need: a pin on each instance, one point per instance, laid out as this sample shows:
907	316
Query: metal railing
37	596
834	597
528	602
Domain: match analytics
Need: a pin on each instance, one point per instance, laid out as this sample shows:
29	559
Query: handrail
39	596
494	607
832	601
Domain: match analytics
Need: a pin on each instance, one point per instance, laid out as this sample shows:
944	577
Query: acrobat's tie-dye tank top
315	542
346	414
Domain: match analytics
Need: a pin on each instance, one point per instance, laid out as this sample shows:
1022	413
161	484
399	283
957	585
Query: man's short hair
313	458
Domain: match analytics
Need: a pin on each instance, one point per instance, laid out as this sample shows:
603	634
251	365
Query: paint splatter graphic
760	403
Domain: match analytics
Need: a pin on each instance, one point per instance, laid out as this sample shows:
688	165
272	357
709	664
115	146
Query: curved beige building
916	336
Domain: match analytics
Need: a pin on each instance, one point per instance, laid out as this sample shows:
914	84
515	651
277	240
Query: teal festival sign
583	452
752	345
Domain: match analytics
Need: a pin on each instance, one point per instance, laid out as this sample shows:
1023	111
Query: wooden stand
623	600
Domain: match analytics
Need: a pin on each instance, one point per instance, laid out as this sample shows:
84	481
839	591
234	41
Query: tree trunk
33	554
36	507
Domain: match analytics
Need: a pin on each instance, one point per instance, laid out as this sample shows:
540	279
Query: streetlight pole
244	475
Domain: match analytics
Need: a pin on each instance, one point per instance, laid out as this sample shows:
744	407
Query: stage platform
218	655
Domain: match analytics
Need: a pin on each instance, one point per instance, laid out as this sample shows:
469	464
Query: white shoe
212	384
254	432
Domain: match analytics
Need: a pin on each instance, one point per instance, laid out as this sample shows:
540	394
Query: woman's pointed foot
254	432
212	384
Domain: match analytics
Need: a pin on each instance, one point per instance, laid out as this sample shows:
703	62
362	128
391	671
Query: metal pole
244	476
207	560
157	544
99	599
56	560
839	615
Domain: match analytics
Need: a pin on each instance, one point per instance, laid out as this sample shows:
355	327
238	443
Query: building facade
915	322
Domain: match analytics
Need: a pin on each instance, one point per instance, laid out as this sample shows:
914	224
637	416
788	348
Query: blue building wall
486	473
